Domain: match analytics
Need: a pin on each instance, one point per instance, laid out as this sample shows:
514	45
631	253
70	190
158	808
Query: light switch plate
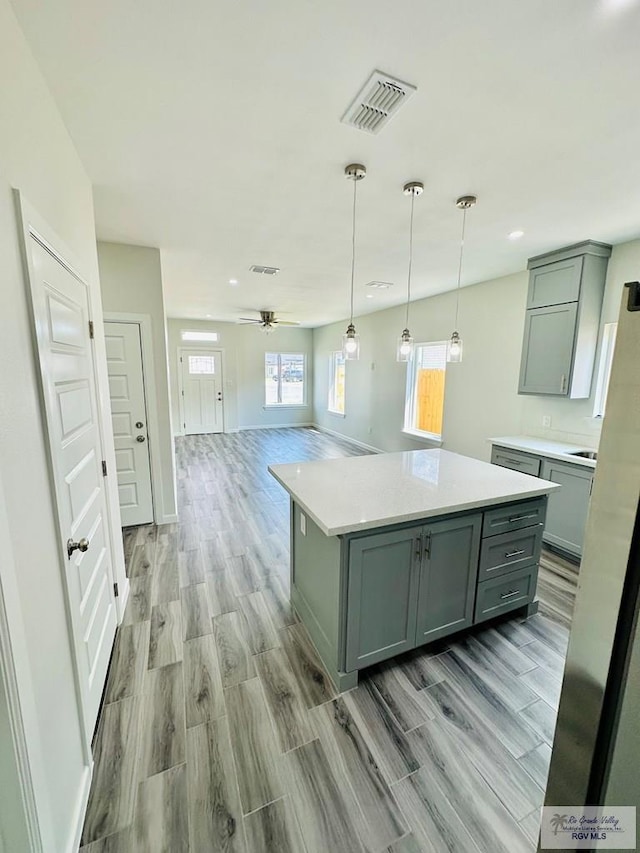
546	421
303	524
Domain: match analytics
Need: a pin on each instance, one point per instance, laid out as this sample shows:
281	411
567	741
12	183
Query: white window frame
302	405
199	336
410	396
610	330
333	365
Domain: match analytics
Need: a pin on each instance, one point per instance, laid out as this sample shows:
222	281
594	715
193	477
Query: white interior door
61	313
202	403
129	419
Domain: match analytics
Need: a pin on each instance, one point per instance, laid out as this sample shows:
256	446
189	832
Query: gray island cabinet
393	551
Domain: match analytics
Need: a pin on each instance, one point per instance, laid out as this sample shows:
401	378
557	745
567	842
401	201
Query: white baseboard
347	438
276	426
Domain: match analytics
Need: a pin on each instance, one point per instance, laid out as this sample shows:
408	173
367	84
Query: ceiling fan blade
248	320
287	322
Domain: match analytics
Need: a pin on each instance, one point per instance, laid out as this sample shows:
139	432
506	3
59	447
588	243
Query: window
336	383
199	337
284	379
604	368
202	364
424	406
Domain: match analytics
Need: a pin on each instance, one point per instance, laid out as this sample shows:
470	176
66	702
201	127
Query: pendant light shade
454	345
404	349
351	339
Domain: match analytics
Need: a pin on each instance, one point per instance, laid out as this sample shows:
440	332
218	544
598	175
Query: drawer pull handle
513	461
510	594
514	553
515	518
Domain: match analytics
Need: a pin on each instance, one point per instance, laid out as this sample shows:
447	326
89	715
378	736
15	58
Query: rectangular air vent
379	99
379	285
264	270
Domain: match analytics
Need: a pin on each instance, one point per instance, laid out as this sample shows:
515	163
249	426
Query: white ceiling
211	129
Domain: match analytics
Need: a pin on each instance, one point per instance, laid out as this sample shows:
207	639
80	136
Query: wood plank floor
221	732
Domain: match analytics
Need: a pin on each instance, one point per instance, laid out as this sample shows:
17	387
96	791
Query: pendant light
454	346
351	339
404	351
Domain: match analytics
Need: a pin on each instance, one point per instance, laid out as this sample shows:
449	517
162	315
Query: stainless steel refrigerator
596	751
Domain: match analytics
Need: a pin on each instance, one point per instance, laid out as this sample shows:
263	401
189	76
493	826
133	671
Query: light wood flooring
220	731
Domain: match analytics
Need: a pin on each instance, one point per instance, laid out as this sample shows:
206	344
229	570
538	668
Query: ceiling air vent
379	99
379	285
262	270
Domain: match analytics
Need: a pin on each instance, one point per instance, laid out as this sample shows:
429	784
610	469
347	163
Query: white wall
131	281
244	348
38	157
481	398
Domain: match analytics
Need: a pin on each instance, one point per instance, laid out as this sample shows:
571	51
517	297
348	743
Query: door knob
81	545
139	424
140	438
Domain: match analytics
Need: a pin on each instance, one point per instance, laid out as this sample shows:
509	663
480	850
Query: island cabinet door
381	601
448	577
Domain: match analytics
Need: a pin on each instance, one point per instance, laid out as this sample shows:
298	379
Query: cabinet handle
510	594
514	553
427	545
513	461
563	382
418	552
522	517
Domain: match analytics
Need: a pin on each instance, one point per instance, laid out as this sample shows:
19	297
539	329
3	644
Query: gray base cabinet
383	586
569	506
448	575
366	597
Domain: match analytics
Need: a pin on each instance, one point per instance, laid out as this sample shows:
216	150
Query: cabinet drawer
508	551
517	461
514	517
500	595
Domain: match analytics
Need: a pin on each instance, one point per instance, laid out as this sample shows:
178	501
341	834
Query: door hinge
115	590
182	392
104	468
91	329
427	545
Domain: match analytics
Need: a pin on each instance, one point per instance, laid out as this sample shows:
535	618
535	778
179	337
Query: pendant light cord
353	246
464	220
406	324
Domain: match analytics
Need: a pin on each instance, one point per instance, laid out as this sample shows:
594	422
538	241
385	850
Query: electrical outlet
546	421
369	430
303	524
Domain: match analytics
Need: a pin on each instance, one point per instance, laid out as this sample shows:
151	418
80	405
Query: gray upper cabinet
381	601
555	283
547	352
448	575
569	506
564	301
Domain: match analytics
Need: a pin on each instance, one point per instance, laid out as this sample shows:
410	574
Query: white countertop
543	447
365	492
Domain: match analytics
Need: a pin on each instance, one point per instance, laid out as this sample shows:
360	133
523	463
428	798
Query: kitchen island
395	550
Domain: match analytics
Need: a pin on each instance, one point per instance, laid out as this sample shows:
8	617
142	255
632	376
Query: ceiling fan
268	320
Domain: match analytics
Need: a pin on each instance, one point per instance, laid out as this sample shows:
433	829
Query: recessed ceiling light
369	295
379	285
233	281
208	316
516	235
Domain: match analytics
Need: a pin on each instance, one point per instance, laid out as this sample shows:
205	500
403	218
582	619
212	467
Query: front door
129	419
65	351
202	404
